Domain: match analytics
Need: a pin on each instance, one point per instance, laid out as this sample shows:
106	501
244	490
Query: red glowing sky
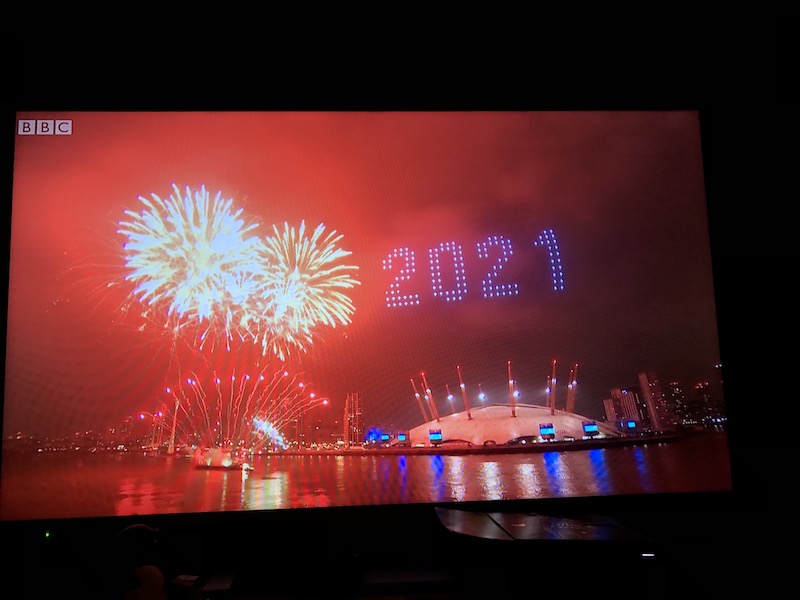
623	192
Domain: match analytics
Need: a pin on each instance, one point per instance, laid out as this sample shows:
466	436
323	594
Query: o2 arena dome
496	425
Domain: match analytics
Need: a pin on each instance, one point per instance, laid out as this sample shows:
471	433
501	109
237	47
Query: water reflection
439	486
136	498
402	468
456	475
269	491
490	481
526	480
599	472
556	473
62	485
642	468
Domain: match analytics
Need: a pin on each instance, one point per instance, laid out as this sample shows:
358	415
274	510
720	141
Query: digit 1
548	239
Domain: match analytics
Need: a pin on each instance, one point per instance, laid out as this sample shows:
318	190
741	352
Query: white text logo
44	127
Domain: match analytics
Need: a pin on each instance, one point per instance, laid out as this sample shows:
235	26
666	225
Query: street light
450	397
481	395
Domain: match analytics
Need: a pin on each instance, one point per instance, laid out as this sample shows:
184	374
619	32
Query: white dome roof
495	423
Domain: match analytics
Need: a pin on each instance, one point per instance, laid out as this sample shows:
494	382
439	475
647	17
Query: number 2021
495	250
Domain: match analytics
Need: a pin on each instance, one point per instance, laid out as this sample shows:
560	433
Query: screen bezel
615	505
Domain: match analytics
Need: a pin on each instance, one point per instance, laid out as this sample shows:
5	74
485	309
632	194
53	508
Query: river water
66	485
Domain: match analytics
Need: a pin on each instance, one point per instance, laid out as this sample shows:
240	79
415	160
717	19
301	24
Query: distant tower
463	393
625	404
653	400
429	397
571	387
612	416
353	420
511	396
418	397
704	404
551	389
677	406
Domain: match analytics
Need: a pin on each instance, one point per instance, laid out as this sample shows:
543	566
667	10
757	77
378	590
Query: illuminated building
495	424
654	402
677	403
627	405
353	420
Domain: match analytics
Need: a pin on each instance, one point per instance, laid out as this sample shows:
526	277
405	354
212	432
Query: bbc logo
44	127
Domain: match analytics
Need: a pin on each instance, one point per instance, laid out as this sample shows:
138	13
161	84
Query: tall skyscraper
625	404
353	420
655	402
677	403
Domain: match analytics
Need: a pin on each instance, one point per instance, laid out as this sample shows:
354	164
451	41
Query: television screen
435	436
221	312
590	428
547	430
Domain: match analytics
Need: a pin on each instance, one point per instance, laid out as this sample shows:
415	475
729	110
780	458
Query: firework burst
240	412
196	261
305	286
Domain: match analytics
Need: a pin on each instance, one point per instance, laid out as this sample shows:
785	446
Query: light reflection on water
598	465
491	480
643	468
62	485
526	478
457	476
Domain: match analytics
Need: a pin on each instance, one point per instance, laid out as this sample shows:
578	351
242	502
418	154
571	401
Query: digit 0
453	252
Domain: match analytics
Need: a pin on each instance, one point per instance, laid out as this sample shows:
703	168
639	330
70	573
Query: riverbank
519	448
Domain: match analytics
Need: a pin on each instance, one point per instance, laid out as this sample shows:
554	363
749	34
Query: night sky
622	192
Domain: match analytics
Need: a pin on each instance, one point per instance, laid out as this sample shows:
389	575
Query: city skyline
702	406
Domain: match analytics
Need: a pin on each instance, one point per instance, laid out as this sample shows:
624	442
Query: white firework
195	261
